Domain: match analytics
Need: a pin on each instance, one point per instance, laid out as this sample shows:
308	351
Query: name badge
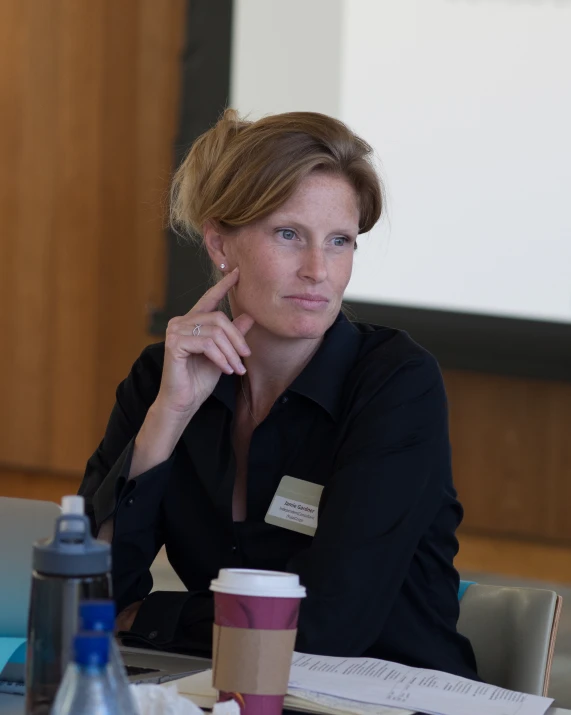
295	505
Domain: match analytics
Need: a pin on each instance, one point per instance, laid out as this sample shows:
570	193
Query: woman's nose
313	267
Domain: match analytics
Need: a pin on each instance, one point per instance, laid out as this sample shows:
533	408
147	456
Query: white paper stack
380	682
367	686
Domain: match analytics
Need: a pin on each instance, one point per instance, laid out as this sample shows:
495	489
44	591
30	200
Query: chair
512	631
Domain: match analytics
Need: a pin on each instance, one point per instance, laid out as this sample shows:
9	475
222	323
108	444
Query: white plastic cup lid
251	582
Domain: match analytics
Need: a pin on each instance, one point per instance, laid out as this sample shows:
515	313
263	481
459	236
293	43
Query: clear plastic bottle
86	688
99	615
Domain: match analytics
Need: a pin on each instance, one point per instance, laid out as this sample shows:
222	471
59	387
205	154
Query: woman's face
296	263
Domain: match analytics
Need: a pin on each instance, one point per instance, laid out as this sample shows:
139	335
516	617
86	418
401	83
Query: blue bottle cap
97	615
91	649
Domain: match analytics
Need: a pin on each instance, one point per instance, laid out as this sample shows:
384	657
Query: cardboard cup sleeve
253	661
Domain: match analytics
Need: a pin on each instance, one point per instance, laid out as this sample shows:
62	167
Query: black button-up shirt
367	419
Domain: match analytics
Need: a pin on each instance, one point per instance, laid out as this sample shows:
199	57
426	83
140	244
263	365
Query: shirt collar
323	377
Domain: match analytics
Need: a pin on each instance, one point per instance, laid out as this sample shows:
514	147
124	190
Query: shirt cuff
116	486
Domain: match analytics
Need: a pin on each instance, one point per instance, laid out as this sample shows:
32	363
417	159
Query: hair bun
240	171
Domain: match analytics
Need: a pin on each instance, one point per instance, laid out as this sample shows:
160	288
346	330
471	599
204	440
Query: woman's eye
287	233
340	241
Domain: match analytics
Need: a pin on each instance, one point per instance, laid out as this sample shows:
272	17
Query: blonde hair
240	171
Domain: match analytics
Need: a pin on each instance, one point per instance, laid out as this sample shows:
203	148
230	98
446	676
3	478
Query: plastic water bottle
86	688
99	615
67	569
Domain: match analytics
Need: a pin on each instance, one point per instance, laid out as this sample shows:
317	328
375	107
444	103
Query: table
14	705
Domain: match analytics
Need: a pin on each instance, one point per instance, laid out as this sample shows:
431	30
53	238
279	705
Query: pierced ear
214	242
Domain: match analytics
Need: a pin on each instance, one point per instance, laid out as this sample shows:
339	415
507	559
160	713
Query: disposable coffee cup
255	625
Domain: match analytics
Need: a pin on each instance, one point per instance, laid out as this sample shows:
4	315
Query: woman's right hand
194	362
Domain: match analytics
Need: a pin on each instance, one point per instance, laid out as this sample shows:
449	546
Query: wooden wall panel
88	111
78	227
512	453
559	462
142	153
27	188
158	119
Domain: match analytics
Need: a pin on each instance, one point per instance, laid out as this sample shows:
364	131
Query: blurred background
467	104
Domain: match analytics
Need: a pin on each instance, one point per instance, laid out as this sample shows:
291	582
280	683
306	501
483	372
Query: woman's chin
305	327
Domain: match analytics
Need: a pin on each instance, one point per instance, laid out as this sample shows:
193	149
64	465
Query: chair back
512	631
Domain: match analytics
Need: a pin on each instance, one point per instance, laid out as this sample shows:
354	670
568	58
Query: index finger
210	300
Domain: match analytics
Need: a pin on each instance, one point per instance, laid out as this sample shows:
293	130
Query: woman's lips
309	302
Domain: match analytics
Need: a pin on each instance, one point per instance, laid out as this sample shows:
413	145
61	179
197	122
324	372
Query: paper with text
198	688
317	702
368	680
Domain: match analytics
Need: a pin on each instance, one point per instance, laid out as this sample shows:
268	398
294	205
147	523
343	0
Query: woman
209	422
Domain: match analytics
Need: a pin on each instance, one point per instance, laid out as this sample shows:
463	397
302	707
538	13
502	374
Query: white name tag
295	505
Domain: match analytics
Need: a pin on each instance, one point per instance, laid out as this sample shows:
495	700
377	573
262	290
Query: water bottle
71	567
86	689
99	615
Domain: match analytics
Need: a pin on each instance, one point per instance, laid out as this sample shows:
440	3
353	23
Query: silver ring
196	331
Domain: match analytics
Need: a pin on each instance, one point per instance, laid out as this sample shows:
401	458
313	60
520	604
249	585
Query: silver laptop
22	522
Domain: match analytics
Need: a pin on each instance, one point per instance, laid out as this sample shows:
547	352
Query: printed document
379	682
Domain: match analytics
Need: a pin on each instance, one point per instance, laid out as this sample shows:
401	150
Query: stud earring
222	266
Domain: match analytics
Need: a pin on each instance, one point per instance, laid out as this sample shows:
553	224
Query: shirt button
130	501
284	399
234	549
153	635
